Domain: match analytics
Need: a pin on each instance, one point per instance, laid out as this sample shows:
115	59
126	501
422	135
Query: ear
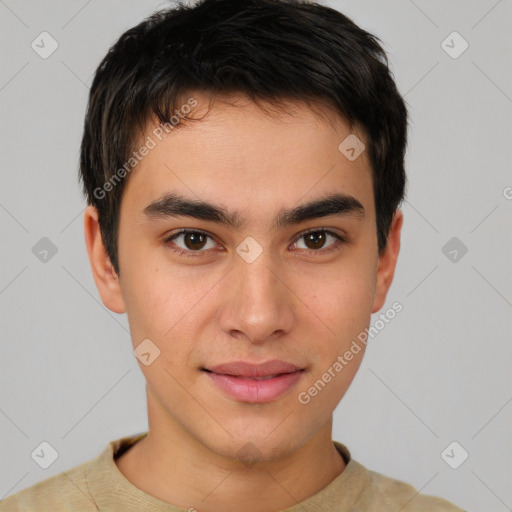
105	277
387	262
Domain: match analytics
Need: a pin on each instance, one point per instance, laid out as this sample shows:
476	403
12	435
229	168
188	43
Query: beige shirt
98	485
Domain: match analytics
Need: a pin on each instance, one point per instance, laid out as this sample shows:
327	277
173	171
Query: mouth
255	383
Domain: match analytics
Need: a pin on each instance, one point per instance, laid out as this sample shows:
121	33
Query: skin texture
288	304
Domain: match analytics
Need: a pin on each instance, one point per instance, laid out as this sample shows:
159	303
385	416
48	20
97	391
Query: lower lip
255	391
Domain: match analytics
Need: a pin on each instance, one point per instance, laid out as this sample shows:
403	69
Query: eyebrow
176	205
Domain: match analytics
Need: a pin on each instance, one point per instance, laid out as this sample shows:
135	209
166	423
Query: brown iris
317	238
197	240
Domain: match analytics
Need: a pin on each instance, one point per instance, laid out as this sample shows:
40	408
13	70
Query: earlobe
105	277
387	262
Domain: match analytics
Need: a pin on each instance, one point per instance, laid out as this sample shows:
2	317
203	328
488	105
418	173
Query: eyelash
194	254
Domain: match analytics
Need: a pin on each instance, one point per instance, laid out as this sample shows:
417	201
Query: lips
260	371
254	383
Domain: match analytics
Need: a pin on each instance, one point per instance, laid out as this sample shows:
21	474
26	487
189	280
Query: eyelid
333	231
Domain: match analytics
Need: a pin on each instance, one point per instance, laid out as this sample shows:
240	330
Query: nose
258	304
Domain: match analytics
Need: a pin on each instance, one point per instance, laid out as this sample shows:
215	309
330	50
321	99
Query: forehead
238	154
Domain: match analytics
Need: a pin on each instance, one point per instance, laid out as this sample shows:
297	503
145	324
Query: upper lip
245	369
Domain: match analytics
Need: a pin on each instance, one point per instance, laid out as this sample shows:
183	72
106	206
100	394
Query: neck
176	468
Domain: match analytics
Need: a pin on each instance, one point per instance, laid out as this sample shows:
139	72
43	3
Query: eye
315	240
193	241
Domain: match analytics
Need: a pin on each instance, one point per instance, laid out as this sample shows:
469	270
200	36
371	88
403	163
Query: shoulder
375	491
383	490
78	488
66	491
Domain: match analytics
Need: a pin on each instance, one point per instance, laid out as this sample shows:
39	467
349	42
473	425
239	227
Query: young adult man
243	163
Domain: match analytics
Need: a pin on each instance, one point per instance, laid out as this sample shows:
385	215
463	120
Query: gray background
438	373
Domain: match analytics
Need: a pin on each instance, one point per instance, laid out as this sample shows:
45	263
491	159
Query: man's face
252	292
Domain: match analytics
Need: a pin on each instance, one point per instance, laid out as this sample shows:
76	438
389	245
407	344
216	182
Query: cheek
167	304
323	389
341	298
147	300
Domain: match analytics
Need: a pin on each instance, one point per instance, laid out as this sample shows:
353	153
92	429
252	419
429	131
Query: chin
250	449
